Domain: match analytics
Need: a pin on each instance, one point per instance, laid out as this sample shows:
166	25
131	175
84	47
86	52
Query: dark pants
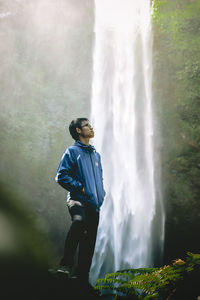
82	232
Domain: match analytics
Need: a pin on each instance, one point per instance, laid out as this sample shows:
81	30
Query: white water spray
121	113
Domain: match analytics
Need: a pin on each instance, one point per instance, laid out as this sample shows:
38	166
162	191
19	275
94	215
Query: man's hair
76	123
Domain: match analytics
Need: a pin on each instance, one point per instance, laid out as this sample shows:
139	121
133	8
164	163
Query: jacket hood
84	146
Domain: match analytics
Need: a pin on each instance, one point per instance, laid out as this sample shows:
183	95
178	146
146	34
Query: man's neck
84	140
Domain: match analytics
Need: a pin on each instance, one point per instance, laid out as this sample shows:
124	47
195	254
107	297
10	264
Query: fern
150	283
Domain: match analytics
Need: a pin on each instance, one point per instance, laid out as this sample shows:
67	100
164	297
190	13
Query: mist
46	61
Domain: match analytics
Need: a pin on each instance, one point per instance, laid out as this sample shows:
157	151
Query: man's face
86	130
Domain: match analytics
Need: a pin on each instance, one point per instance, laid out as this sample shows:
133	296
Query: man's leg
74	234
87	243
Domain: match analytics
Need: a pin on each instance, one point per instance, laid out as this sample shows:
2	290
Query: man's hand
83	190
72	203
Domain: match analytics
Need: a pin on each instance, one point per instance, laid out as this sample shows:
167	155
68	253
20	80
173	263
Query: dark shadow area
26	256
51	287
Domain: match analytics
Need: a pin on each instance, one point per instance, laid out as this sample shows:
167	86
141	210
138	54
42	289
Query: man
80	173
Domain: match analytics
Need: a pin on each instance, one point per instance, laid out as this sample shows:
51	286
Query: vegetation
180	279
176	86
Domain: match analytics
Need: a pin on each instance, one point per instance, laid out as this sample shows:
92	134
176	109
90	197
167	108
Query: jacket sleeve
66	174
102	174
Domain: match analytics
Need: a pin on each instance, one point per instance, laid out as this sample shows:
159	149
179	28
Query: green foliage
176	89
151	283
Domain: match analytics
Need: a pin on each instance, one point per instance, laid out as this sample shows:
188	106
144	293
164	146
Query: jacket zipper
94	177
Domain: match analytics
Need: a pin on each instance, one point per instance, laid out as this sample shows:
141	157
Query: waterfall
122	116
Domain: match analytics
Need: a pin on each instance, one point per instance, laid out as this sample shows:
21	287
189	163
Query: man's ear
78	130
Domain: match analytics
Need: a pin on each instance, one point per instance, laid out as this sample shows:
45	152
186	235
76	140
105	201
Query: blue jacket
80	167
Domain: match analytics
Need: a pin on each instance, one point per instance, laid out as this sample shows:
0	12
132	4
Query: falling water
121	113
